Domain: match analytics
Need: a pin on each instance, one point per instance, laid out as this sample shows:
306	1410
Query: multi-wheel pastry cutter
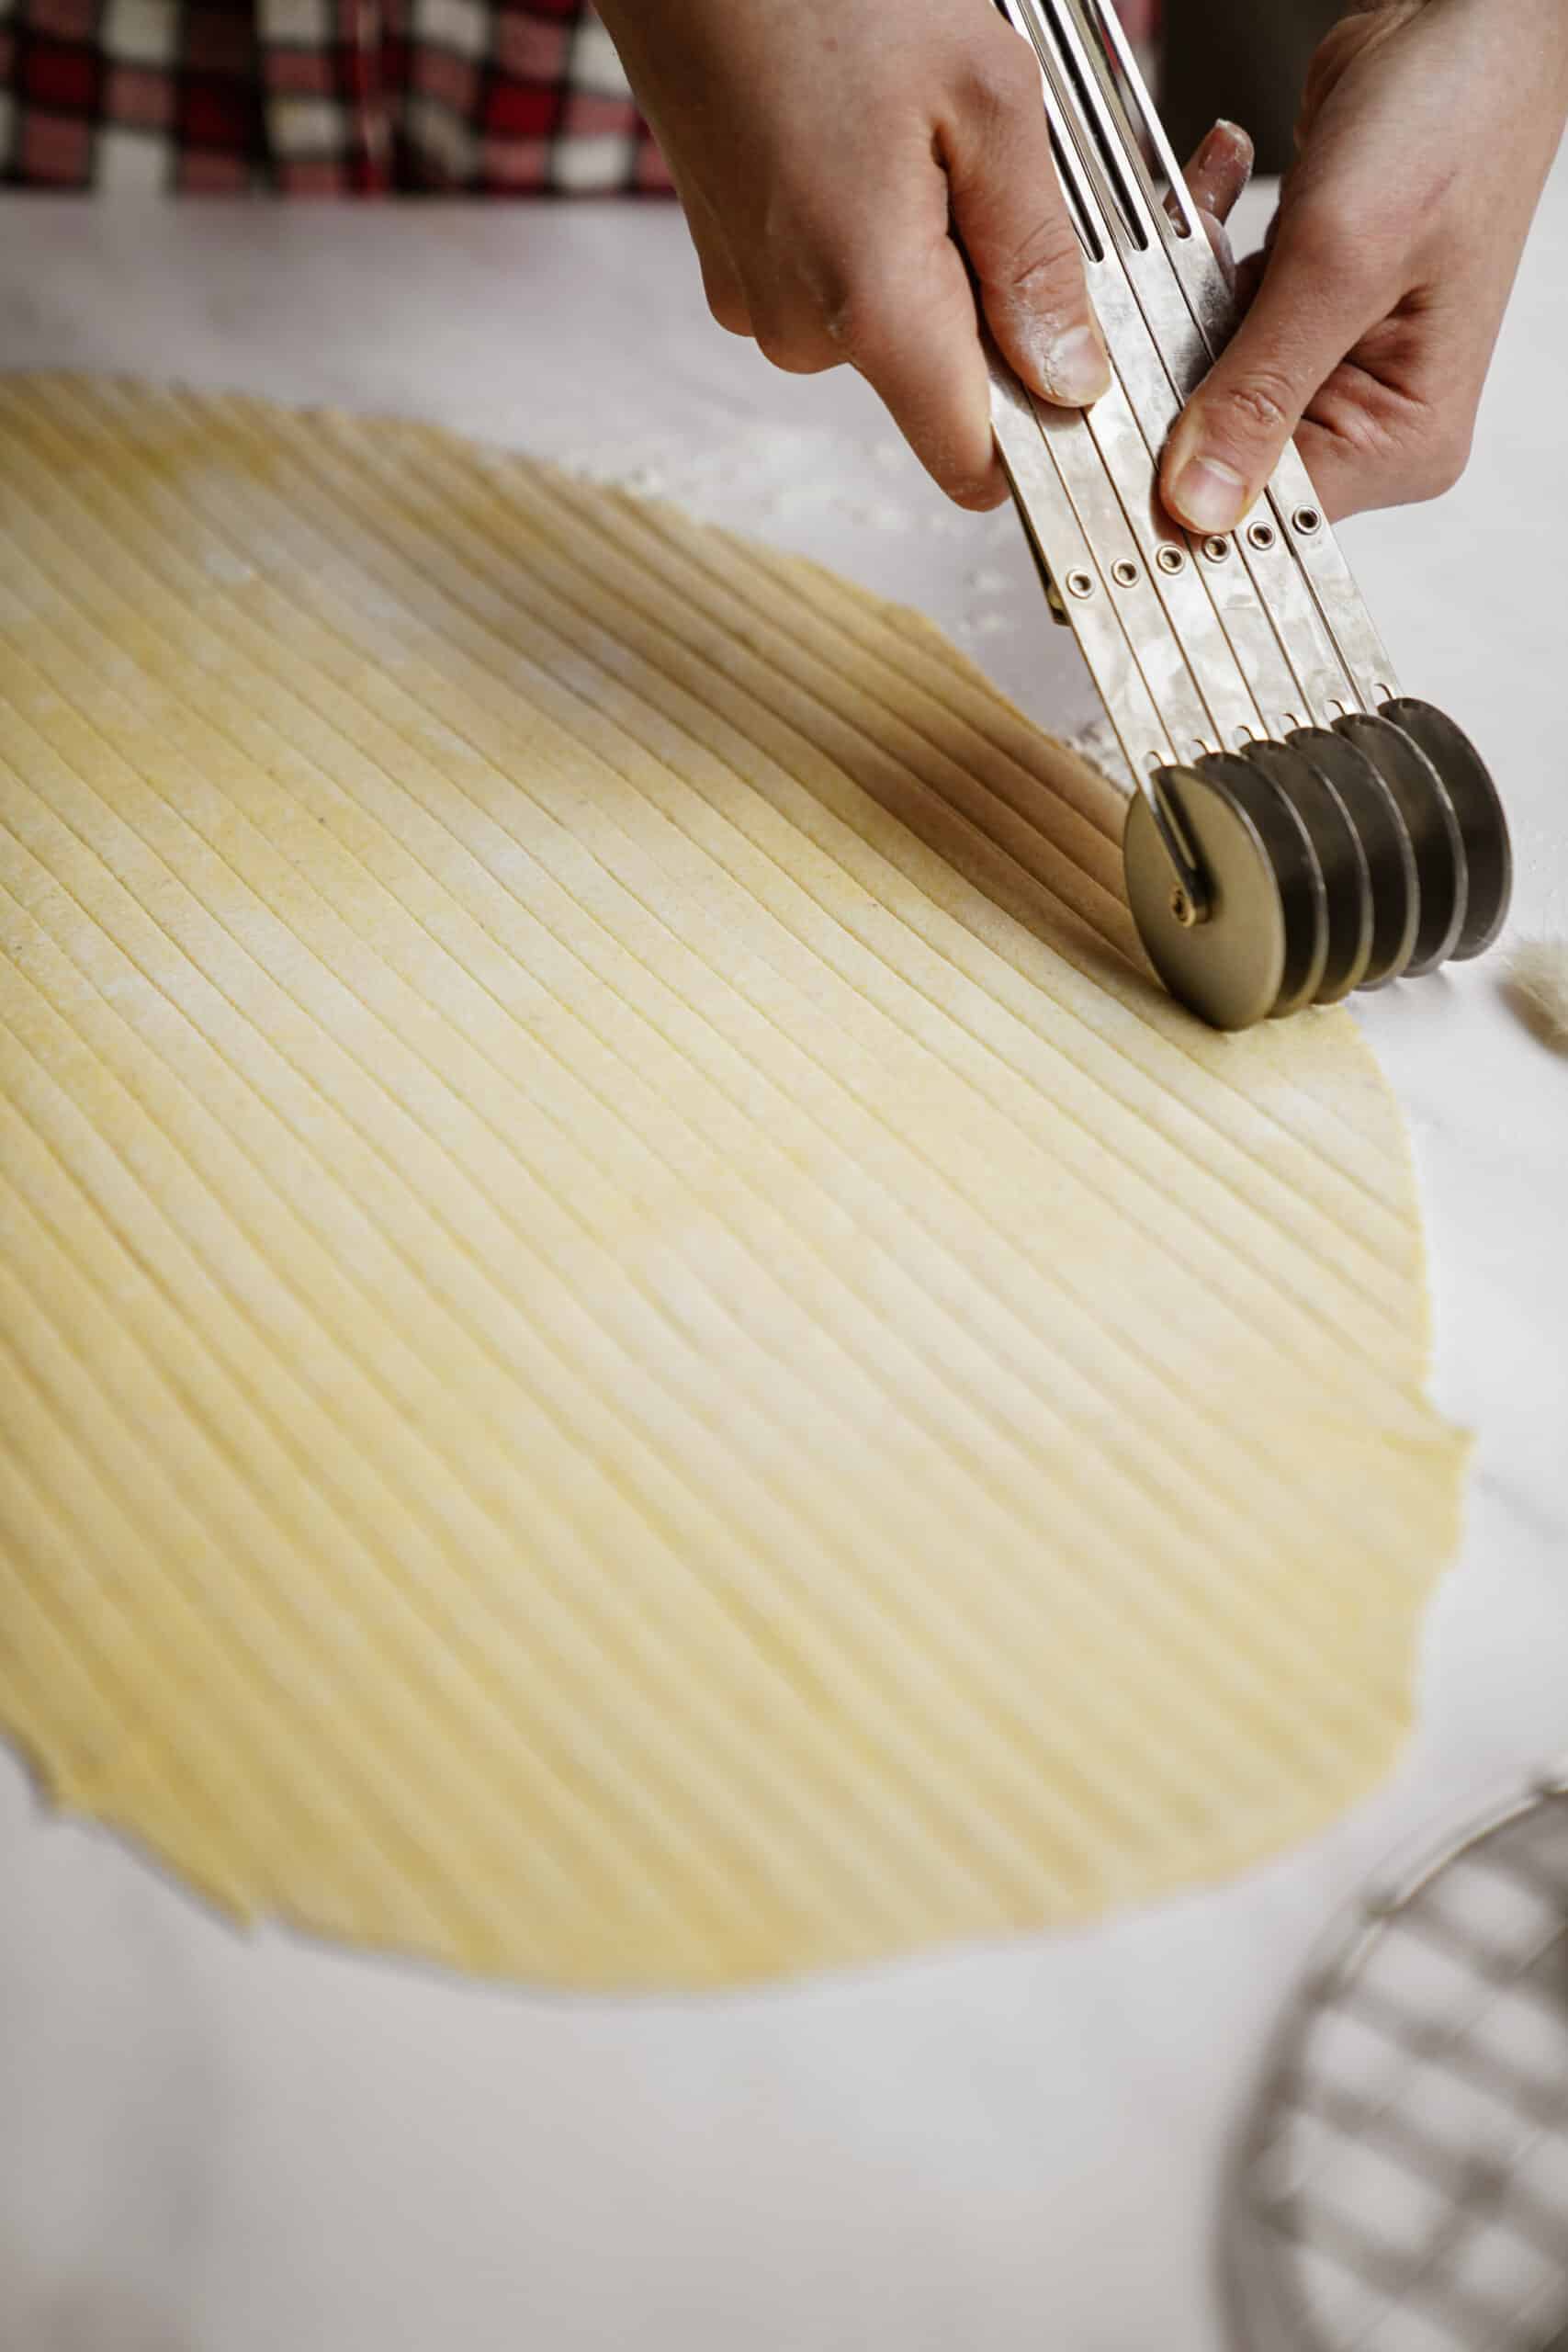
1299	828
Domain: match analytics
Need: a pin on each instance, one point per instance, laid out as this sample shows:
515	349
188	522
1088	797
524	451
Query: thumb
1013	223
1315	301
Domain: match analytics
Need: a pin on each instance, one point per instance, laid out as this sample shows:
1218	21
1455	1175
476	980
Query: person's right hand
1427	134
837	161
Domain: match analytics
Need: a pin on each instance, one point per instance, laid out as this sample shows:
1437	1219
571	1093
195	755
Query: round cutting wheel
1340	857
1297	875
1379	827
1483	829
1262	945
1428	813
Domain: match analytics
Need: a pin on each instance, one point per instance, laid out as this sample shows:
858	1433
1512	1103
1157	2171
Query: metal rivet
1168	558
1260	534
1079	585
1306	520
1124	572
1182	908
1216	550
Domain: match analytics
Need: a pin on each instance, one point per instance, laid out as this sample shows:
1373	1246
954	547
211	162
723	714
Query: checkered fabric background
318	97
322	98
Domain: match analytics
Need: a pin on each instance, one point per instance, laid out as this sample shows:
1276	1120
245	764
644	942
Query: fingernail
1208	495
1241	140
1074	368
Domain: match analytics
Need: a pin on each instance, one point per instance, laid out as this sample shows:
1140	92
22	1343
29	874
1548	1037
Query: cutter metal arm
1299	828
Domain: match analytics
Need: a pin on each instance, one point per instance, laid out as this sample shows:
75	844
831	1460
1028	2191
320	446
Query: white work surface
215	2144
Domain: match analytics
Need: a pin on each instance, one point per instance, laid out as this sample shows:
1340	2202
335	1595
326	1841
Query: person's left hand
1426	136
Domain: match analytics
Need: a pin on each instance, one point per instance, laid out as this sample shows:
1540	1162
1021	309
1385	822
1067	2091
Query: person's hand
837	160
1427	133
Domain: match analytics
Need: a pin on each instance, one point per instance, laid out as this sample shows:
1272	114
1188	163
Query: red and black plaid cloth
322	97
318	97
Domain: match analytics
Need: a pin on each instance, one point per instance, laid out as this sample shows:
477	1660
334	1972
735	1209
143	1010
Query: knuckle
1421	448
729	308
1257	408
1003	77
858	325
1442	462
1042	267
797	344
826	302
1395	449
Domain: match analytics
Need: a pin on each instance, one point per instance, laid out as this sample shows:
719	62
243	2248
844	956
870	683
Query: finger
721	281
1220	170
913	338
722	286
1370	442
1354	471
1317	298
1012	220
1342	474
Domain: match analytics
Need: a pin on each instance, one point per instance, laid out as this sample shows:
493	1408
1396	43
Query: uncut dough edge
116	1773
190	1869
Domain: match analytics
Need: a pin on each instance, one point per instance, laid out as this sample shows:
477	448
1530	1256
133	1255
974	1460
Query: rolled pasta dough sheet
636	1349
